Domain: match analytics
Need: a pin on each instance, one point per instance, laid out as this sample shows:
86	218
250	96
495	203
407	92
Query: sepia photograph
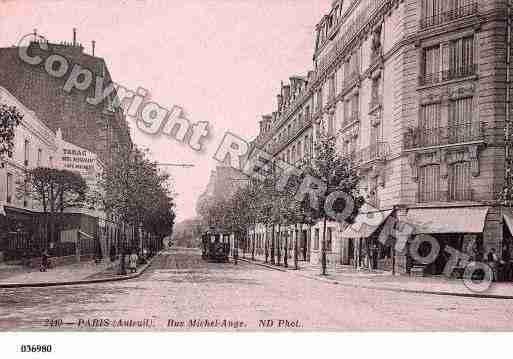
254	166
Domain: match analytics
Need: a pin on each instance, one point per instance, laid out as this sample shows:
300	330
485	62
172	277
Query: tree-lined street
180	287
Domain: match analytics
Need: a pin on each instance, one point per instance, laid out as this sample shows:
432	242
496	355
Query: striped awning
447	220
508	219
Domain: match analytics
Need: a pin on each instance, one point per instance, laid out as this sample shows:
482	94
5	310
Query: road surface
181	292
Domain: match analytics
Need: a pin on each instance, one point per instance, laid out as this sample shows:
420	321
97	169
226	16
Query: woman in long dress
132	262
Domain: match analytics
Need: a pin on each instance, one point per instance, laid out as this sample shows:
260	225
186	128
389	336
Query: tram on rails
215	246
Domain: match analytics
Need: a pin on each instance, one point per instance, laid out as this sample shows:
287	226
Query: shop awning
508	219
365	224
447	220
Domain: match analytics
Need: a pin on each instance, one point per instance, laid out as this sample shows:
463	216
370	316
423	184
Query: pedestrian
44	262
112	253
374	256
493	262
132	262
506	259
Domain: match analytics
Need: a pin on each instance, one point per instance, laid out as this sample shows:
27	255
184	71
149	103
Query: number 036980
32	348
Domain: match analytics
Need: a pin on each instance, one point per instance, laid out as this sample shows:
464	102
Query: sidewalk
77	273
348	276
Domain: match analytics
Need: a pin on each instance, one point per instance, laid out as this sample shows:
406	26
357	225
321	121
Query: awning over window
366	223
508	219
447	220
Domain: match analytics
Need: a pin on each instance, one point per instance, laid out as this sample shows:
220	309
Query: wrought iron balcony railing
445	196
375	152
276	146
450	15
375	101
351	78
422	137
446	75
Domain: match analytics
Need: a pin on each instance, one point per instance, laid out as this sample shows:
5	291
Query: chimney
93	46
74	36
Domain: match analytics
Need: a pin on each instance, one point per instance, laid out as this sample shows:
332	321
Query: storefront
458	227
360	245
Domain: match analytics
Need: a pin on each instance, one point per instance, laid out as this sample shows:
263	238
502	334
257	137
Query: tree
10	118
270	207
134	190
160	219
339	175
55	190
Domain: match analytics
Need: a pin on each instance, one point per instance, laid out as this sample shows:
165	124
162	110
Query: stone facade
406	88
36	145
98	128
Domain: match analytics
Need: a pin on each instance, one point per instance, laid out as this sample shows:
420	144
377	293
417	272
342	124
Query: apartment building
36	145
99	128
414	91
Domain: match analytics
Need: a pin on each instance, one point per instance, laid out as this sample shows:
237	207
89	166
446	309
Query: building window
375	139
429	183
319	100
332	88
461	127
355	104
373	192
436	12
25	193
448	61
375	93
331	125
459	182
26	151
316	239
299	154
39	157
354	63
10	188
431	65
429	125
461	58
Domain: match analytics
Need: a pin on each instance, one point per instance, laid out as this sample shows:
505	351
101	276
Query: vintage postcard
257	165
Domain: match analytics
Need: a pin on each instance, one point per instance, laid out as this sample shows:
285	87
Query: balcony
294	130
450	15
445	196
375	152
349	119
447	75
442	136
351	79
375	102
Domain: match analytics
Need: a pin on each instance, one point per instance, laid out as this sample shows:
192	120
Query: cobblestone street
179	288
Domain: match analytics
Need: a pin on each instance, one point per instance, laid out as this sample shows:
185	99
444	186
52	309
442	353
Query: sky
222	61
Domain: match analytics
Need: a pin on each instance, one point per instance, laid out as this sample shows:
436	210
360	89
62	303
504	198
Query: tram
215	246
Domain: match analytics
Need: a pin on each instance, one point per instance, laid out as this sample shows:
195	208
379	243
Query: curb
397	290
266	265
82	281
